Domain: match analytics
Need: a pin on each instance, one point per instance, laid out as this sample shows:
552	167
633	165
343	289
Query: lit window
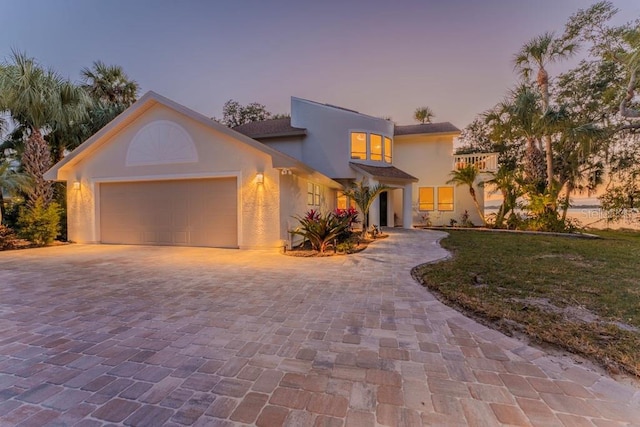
425	199
341	201
344	202
387	150
376	147
358	145
445	198
317	195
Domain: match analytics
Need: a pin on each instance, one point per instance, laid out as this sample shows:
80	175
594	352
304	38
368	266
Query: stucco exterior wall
294	203
291	146
218	155
326	147
430	159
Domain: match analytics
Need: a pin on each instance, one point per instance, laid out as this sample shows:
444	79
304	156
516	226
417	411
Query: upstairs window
376	147
371	146
358	145
387	150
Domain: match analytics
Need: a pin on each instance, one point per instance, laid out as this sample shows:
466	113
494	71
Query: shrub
7	238
39	224
464	219
322	230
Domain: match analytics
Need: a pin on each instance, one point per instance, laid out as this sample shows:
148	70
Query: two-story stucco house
161	173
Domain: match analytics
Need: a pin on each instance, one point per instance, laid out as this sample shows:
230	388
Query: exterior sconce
76	185
259	178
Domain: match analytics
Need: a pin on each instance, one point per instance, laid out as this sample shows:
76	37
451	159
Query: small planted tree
467	176
39	224
363	196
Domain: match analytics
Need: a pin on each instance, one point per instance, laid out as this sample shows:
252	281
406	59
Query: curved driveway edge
147	336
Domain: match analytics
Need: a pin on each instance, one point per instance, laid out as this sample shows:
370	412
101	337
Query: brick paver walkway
148	336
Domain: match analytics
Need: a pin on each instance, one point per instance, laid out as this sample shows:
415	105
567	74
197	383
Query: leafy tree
468	176
12	182
234	114
363	196
619	44
536	55
423	115
40	101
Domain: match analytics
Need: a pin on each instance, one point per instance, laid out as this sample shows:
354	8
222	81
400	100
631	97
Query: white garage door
198	212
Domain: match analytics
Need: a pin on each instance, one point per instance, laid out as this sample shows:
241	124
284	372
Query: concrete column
407	206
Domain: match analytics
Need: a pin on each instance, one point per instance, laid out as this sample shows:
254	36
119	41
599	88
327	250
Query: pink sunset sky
382	58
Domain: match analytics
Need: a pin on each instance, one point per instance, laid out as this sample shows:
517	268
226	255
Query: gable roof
271	128
444	127
148	100
384	172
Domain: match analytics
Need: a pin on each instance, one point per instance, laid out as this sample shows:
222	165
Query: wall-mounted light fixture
259	178
286	171
76	185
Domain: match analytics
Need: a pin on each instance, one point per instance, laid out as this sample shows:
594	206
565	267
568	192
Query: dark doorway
383	209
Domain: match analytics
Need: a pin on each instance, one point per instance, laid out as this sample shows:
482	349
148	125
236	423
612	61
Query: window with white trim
445	198
313	194
426	199
371	146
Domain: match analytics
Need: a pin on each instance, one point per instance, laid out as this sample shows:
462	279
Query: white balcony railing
486	162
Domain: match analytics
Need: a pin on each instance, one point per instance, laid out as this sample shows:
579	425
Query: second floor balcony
485	162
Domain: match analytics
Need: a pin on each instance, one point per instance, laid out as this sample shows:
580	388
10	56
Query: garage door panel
182	212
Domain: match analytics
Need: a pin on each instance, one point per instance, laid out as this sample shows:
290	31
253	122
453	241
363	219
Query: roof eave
280	135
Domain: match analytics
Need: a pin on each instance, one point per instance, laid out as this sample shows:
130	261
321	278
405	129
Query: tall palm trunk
472	191
534	165
567	199
36	160
543	84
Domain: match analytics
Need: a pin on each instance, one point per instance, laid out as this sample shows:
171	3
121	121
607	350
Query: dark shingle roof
269	129
444	127
385	172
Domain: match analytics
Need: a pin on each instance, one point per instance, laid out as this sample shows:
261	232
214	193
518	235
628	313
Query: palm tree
40	101
423	115
363	196
520	117
507	182
537	54
467	176
12	182
109	84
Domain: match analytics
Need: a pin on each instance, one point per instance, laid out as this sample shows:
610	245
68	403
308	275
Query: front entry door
383	209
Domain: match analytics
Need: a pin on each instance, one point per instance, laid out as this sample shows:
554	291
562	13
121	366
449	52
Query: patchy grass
582	295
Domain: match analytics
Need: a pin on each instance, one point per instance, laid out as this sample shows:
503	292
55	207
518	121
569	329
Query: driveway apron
144	336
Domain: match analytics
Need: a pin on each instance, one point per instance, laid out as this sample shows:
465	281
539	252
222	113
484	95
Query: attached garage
190	212
162	174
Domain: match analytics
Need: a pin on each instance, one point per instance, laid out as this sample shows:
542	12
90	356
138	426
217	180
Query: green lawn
582	295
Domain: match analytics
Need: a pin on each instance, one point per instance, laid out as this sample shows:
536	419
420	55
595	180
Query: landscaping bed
305	250
581	295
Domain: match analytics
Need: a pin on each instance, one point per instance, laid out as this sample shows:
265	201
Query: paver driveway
127	335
